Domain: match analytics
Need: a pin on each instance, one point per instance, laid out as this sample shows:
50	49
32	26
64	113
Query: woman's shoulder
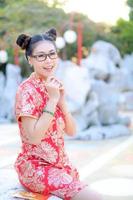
26	84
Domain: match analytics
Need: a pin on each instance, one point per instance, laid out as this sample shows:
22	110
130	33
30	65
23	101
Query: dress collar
37	78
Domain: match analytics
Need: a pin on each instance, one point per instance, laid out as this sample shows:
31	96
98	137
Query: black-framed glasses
43	56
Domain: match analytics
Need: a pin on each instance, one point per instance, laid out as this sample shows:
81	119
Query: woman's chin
47	74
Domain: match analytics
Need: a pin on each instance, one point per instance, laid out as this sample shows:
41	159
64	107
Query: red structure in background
79	37
16	56
79	42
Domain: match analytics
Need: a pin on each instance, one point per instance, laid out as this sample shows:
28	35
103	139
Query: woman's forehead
44	46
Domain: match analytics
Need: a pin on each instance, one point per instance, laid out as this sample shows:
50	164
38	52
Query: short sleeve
28	102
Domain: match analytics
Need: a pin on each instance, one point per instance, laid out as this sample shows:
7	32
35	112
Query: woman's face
44	59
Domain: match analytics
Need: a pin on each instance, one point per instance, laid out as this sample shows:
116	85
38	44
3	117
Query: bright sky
107	11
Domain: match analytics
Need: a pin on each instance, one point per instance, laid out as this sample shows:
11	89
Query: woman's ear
29	60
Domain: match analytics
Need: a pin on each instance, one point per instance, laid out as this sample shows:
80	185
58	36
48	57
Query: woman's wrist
65	111
63	105
64	108
52	102
51	106
49	112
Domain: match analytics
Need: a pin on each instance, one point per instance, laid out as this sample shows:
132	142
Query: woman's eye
52	53
41	56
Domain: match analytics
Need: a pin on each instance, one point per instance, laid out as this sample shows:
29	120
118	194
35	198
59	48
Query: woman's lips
48	68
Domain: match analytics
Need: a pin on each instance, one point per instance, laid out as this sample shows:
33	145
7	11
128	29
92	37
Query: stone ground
107	165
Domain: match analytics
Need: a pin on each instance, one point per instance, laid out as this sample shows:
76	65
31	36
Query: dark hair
27	42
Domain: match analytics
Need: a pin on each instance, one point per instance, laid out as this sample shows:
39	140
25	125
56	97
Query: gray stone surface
103	132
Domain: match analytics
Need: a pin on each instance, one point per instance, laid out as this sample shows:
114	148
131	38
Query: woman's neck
40	77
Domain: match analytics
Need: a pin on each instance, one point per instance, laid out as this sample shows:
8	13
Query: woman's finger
61	87
50	78
54	82
57	83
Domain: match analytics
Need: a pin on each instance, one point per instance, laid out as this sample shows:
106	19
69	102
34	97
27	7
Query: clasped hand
55	90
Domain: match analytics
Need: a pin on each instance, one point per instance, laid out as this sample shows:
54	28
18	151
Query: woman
43	118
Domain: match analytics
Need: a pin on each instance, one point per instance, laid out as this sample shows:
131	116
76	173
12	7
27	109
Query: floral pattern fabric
44	168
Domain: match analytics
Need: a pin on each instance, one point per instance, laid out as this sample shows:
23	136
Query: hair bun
23	41
52	33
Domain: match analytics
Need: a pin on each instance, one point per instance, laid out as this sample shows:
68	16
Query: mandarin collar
37	78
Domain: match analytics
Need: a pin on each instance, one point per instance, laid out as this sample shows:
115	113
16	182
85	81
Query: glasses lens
53	55
41	57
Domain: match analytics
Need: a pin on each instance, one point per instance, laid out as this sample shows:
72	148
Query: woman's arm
36	128
70	125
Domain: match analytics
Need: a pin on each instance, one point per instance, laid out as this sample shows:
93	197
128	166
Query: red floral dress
44	168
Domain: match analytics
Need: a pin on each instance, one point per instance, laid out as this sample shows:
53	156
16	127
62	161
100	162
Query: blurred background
95	48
